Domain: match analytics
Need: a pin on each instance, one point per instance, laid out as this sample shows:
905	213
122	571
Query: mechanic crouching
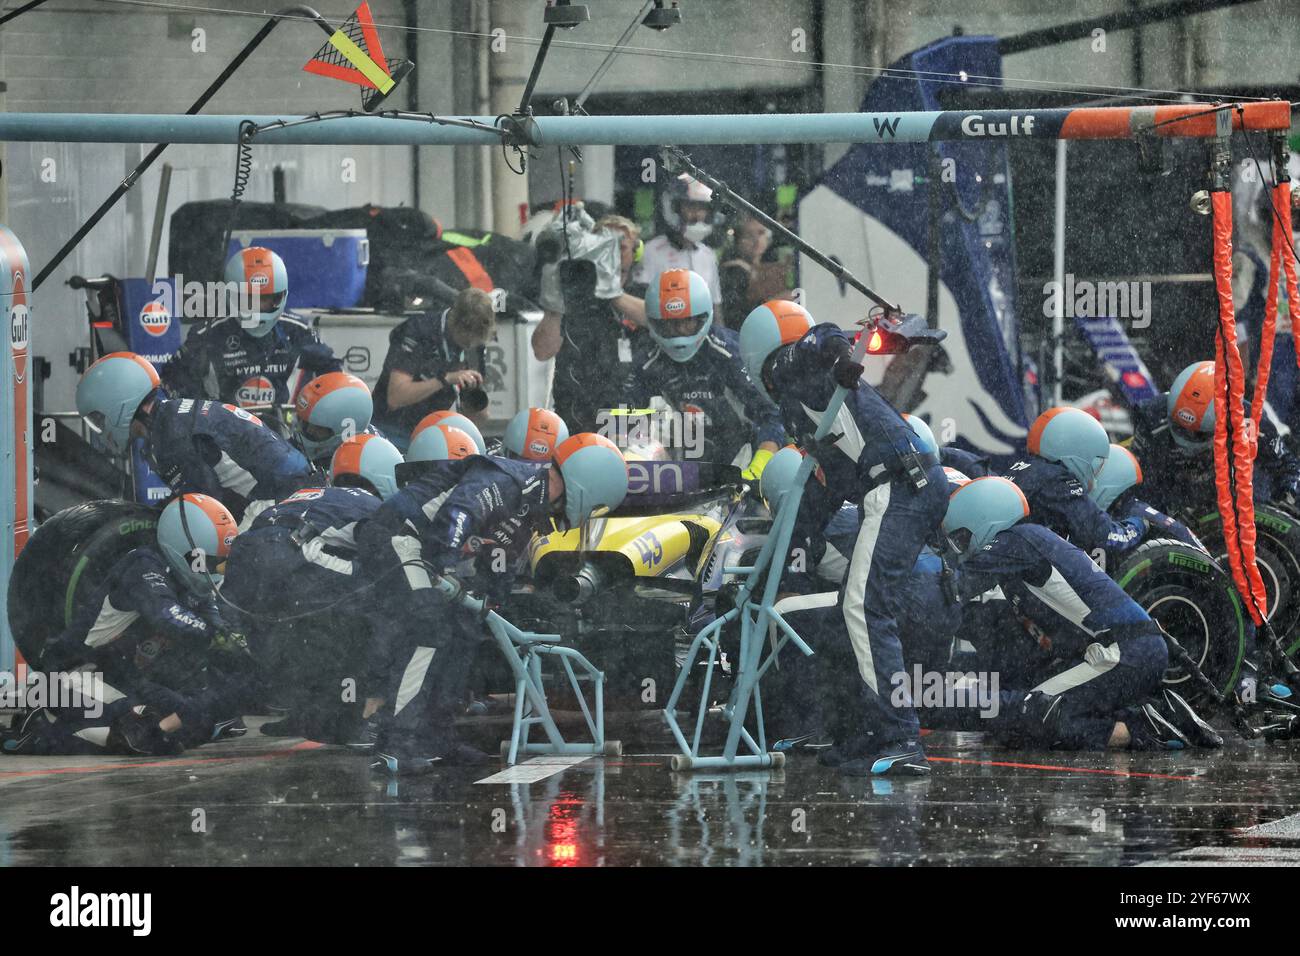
172	676
423	644
293	583
195	446
1095	675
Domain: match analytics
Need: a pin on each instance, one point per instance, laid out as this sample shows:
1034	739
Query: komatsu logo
1016	126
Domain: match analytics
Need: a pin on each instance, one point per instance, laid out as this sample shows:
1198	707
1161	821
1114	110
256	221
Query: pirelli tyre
1193	599
1277	553
64	559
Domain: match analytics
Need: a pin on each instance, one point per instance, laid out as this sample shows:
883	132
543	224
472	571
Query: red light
876	342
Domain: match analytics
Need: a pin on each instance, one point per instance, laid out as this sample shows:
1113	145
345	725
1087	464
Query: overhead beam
1115	122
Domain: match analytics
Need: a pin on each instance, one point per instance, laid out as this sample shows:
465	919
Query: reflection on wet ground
263	801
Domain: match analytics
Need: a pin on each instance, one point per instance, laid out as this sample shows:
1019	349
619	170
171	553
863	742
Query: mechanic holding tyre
172	678
1099	680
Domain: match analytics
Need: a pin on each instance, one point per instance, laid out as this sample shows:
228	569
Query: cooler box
327	267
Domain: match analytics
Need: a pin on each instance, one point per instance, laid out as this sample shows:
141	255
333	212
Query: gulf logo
675	305
155	319
255	393
240	413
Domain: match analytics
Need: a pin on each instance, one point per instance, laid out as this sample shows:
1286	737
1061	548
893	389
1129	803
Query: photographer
434	362
593	315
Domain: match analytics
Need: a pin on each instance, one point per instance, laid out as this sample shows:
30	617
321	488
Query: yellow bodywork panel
651	544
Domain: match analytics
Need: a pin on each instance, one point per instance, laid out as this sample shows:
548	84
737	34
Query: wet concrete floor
278	801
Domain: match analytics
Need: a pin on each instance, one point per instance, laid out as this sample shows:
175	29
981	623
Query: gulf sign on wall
15	423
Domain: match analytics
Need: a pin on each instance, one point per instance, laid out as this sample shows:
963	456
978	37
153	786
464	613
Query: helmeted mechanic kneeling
329	409
487	508
1101	677
1173	438
874	461
200	446
171	675
697	367
293	578
1067	451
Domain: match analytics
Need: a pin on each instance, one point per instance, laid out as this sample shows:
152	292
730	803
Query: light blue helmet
197	542
979	510
1072	438
534	434
679	312
779	475
420	450
925	441
370	457
767	328
111	391
441	442
1120	473
595	476
1190	404
330	408
263	284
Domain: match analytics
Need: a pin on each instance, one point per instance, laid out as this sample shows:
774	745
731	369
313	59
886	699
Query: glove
839	356
1138	523
756	465
848	373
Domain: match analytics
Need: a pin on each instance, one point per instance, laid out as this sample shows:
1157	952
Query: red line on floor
195	761
1046	766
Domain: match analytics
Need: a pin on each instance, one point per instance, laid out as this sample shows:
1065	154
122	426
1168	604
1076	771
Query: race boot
1171	705
230	729
30	736
287	726
1148	730
1039	718
903	759
137	732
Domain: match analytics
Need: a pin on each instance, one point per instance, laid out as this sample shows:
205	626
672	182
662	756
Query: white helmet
686	188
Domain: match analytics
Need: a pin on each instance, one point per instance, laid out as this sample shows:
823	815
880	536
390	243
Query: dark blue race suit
715	385
480	508
1099	650
867	465
222	362
1059	501
293	581
151	641
225	452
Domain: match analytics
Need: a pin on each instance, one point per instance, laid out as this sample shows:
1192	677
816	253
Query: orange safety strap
470	268
1233	458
